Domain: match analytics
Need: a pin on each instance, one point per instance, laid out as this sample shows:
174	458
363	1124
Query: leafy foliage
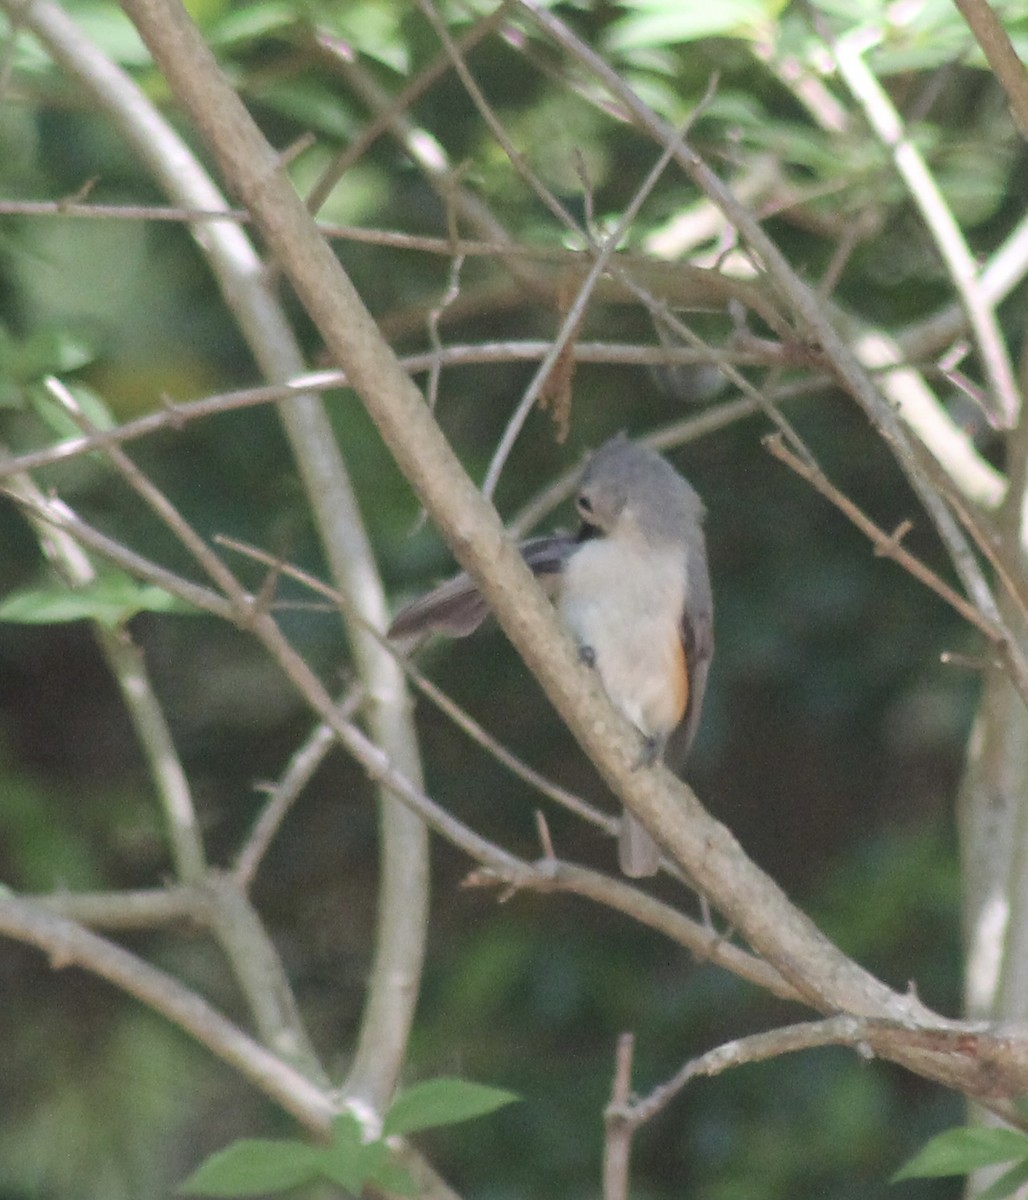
254	1166
112	600
961	1151
832	739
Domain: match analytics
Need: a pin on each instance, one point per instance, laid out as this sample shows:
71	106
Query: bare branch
887	545
129	670
159	503
703	942
915	402
1004	60
617	1139
1003	401
705	849
175	416
401	929
835	1031
405	99
56	513
282	795
128	910
803	301
576	311
68	944
569	326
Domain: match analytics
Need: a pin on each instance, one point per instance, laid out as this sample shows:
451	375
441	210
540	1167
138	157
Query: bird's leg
651	751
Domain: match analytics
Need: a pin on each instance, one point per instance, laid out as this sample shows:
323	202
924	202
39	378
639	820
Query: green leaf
353	1166
443	1102
110	601
107	25
343	1161
60	421
54	351
252	1166
238	27
1007	1184
352	1163
312	106
960	1151
665	22
391	1177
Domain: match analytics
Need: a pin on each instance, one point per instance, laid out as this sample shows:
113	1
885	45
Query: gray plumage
633	589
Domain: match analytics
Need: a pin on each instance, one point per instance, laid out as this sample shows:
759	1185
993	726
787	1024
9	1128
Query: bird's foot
650	752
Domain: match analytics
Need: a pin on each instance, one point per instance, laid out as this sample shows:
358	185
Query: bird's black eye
585	504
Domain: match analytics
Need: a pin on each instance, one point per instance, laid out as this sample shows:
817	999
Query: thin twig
1002	401
425	151
983	533
808	1035
920	408
448	297
68	944
703	942
889	546
462	719
603	256
57	513
405	99
158	503
1003	271
129	670
281	797
681	330
175	416
570	325
804	303
885	544
514	156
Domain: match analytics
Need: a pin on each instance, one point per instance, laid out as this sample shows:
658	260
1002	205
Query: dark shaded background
831	743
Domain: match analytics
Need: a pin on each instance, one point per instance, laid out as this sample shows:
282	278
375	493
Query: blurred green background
832	739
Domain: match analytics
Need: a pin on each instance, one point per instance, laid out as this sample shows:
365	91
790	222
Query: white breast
625	603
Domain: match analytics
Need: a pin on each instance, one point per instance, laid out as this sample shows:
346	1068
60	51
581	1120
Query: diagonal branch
804	302
706	850
1006	63
1003	402
68	944
400	941
129	670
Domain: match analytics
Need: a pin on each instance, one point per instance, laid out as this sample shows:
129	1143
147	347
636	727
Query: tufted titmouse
633	589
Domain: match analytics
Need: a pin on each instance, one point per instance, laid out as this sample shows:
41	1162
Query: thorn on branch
884	544
543	829
176	418
269	586
79	196
487	877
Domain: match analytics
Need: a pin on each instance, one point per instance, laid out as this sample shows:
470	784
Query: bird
632	587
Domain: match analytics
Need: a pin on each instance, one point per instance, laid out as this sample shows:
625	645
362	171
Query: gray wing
456	608
698	640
